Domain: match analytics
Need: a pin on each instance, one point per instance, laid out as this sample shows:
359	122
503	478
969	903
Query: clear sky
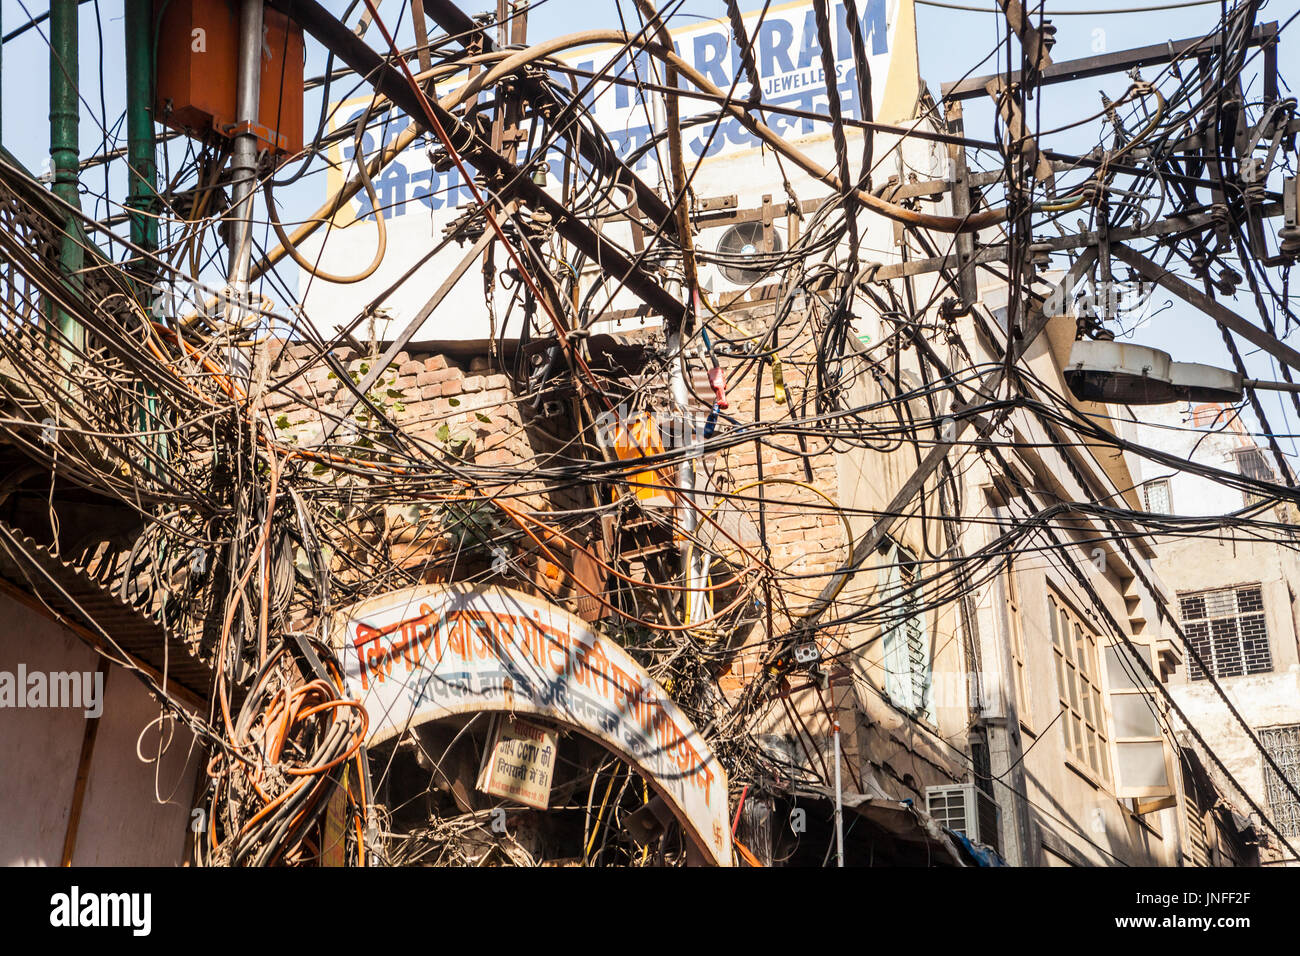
951	42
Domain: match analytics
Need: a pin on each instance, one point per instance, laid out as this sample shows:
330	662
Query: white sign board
417	201
429	652
520	763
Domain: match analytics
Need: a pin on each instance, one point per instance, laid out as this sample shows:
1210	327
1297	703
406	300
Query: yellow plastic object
778	381
639	438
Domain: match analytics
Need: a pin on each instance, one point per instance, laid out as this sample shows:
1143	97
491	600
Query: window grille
1283	745
1227	628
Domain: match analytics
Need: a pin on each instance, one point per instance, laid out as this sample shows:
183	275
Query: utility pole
64	133
687	510
142	173
244	158
143	191
839	800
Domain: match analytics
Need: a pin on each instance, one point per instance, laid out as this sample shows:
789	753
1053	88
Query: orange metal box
197	60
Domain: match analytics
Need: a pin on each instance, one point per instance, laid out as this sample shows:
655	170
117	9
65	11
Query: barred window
1226	627
1283	745
1078	683
1156	497
1252	463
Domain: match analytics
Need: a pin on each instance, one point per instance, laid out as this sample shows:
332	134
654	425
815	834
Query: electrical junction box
197	58
807	652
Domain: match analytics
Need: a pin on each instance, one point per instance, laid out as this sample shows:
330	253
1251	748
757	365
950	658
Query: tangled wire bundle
290	747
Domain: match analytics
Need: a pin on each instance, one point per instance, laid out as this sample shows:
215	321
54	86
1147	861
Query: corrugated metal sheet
59	587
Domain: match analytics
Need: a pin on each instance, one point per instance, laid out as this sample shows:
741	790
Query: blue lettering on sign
775	37
589	96
710	64
811	48
790	74
873	29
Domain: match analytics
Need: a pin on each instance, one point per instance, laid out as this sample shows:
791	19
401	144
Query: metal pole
64	132
244	154
1271	386
687	515
142	173
839	802
141	198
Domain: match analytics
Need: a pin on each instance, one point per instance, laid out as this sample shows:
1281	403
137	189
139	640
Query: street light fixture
1124	374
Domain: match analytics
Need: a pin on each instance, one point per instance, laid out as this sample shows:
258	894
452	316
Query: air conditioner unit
740	261
965	809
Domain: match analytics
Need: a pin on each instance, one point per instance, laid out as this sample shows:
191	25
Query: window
1024	708
1226	628
1143	771
1155	495
906	650
1252	463
1283	745
1078	684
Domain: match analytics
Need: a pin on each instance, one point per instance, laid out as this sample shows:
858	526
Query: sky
951	43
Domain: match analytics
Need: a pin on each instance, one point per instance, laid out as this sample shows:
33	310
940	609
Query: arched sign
428	652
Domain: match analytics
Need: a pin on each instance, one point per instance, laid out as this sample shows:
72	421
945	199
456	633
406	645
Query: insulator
1290	240
1040	253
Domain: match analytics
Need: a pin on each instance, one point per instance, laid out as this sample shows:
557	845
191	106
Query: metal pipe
839	801
64	133
141	160
244	153
1271	386
687	513
142	171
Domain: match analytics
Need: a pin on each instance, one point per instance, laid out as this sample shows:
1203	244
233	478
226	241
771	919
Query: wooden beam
1119	62
83	776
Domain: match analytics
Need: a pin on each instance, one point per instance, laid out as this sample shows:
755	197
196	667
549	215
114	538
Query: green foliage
471	523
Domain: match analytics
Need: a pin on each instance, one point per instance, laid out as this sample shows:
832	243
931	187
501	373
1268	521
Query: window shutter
919	652
906	646
897	672
1142	766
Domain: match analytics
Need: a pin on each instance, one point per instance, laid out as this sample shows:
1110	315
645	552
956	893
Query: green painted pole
142	198
65	117
142	194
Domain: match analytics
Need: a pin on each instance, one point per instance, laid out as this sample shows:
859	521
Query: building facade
1236	600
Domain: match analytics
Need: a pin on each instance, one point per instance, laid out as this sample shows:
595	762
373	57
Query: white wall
123	822
1162	427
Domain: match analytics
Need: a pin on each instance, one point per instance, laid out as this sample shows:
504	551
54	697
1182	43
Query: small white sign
520	764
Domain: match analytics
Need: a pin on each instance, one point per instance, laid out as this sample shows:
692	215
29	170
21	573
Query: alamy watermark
651	432
171	299
75	909
1126	302
79	690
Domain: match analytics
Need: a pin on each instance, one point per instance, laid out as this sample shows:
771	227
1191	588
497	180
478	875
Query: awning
900	819
31	574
